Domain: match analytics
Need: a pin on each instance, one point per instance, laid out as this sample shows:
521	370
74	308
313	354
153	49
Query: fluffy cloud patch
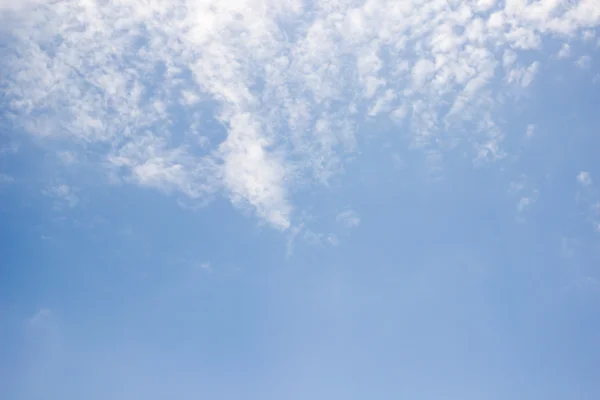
6	179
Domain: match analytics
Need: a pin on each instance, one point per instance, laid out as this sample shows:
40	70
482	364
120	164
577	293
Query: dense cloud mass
289	83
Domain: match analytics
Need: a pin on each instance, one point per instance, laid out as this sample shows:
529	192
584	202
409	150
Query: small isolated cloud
584	178
63	196
6	179
583	62
205	266
530	132
564	52
524	203
525	193
348	218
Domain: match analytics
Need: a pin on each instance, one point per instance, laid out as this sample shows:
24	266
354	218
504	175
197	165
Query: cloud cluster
256	99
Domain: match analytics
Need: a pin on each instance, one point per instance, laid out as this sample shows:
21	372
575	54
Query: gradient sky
287	199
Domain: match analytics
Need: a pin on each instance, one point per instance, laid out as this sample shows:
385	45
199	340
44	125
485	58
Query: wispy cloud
526	194
583	62
286	82
530	131
588	197
348	218
6	179
305	235
63	196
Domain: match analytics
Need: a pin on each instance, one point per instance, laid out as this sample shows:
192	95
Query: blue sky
299	200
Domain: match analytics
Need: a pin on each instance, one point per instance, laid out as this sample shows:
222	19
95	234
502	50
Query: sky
287	199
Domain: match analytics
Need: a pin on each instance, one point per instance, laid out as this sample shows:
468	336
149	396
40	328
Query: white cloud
383	103
583	62
148	161
524	76
422	72
530	131
485	5
509	58
286	83
584	178
564	52
348	219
